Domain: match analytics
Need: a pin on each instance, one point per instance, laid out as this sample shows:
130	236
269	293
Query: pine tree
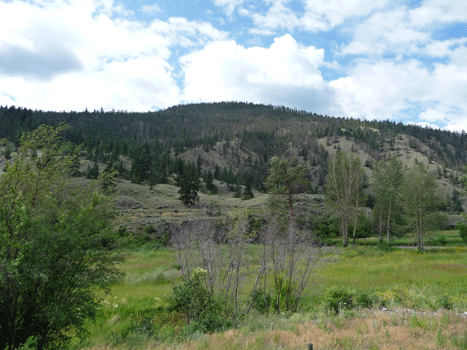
189	184
210	186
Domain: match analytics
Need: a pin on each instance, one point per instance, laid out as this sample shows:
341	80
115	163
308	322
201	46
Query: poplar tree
343	189
387	182
419	198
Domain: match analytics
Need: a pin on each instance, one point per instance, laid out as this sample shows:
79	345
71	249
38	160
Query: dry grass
376	330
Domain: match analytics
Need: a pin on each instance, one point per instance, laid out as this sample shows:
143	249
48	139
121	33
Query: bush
463	231
203	313
365	299
338	299
53	257
260	300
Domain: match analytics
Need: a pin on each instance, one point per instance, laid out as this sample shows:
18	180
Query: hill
241	137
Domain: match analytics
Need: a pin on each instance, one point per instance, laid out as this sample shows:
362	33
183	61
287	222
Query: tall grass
134	315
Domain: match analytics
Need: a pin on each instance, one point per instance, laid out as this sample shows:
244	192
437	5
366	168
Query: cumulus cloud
386	90
91	53
325	15
285	73
386	32
41	65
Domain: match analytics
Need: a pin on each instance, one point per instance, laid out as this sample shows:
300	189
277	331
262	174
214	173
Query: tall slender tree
419	198
387	182
343	189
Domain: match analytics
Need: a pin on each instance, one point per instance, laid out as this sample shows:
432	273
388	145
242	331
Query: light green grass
402	278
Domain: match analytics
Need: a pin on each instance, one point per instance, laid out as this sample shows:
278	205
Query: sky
398	60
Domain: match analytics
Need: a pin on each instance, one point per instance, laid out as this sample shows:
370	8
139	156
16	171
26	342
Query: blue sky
375	59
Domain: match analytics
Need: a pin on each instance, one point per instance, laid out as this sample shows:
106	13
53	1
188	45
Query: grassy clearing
134	315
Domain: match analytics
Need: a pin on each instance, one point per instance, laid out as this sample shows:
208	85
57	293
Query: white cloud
435	12
386	90
386	32
325	14
432	115
229	5
382	90
87	53
284	73
318	15
151	9
278	16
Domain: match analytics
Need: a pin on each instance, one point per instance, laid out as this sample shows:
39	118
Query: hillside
232	141
241	137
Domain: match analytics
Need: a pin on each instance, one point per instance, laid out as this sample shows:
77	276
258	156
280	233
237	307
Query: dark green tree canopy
189	184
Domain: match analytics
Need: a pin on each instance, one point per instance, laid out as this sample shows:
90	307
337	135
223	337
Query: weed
445	302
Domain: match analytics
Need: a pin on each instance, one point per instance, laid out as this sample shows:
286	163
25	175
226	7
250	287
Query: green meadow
410	286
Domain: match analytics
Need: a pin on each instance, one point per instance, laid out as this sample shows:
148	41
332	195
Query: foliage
462	231
419	198
200	308
338	299
7	152
285	177
387	182
343	189
189	184
52	254
260	300
107	180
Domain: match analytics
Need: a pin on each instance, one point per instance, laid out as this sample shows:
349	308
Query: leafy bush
463	231
260	300
202	311
365	299
338	299
442	240
53	254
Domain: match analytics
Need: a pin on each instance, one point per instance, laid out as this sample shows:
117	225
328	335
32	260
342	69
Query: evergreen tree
93	173
210	186
142	164
189	184
248	192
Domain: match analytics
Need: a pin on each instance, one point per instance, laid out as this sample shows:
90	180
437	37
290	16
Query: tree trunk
345	226
389	218
380	229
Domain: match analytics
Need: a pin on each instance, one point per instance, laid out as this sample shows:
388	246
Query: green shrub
445	302
260	300
442	240
365	299
203	313
338	299
463	231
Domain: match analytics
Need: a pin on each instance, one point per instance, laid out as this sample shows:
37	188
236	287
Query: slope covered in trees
234	140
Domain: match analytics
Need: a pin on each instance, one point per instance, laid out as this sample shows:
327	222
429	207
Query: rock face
128	203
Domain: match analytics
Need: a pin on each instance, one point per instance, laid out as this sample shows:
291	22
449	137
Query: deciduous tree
343	189
387	182
52	254
419	198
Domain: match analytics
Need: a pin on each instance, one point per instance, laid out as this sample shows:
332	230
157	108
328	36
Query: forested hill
240	137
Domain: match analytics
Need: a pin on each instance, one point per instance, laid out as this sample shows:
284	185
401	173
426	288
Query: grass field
424	296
